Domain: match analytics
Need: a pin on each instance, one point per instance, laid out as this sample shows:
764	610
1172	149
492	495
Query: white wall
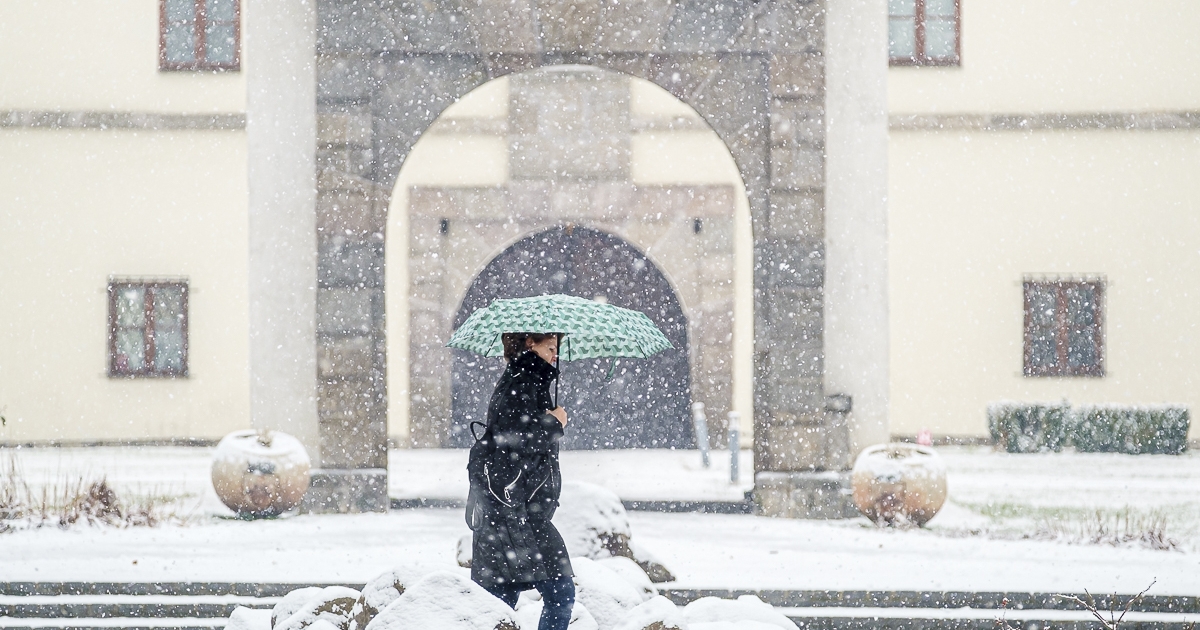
1026	56
70	55
77	206
970	213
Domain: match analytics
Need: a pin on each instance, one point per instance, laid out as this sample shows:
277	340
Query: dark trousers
558	596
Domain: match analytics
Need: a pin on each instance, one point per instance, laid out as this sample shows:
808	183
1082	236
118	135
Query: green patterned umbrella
594	329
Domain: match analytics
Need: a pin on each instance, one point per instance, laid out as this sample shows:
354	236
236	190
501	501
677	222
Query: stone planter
260	474
899	484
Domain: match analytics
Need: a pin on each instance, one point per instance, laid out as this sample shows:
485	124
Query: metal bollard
735	446
700	423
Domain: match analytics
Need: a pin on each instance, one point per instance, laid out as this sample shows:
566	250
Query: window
1064	327
199	35
923	32
147	328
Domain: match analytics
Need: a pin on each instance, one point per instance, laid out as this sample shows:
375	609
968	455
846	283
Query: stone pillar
856	272
280	131
801	445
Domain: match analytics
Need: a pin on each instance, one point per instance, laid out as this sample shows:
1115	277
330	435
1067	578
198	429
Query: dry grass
75	500
1123	528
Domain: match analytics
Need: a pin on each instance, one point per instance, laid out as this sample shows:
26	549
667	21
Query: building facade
221	214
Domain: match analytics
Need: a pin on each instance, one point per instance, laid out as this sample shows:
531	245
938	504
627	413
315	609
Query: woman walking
515	484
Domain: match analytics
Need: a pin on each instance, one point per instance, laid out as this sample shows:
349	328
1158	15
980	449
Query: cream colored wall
970	213
77	206
463	149
1027	56
70	55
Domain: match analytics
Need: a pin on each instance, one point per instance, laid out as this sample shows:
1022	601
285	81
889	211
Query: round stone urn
260	473
899	484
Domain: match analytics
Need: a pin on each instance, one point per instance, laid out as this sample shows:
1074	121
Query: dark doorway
645	403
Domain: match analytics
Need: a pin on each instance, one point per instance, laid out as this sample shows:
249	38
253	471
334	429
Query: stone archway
643	403
754	71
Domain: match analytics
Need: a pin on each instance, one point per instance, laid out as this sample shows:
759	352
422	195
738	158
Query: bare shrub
1126	527
76	500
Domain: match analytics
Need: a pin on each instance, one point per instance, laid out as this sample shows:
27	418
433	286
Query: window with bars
147	328
924	32
1064	328
199	35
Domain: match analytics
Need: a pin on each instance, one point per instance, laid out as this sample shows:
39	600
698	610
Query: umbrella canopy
594	329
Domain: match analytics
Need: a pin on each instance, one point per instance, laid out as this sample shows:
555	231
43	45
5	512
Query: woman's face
547	349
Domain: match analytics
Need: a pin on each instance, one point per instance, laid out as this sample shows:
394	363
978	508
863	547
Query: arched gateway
644	403
755	72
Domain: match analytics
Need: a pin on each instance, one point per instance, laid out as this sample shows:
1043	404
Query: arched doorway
644	404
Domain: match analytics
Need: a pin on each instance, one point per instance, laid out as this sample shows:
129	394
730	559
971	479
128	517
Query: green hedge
1028	427
1036	427
1133	430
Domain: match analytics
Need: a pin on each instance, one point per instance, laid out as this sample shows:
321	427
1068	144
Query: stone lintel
819	495
345	491
151	121
1062	121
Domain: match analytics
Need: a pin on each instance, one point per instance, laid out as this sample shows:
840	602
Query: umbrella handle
557	375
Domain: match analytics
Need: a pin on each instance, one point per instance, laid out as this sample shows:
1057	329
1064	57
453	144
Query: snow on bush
332	605
1131	429
446	601
657	613
249	619
746	608
1028	427
1157	429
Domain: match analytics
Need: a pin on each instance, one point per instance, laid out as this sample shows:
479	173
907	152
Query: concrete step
207	605
127	606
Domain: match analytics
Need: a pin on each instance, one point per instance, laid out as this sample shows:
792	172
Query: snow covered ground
1010	525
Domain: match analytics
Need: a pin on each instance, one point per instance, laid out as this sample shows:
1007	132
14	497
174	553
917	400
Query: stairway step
846	618
935	600
128	606
112	623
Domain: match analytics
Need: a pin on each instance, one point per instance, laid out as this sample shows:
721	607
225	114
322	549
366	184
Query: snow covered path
974	544
705	551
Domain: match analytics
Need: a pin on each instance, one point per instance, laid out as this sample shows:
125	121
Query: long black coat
515	482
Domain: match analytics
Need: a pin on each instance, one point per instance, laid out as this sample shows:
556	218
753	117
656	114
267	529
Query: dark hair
514	343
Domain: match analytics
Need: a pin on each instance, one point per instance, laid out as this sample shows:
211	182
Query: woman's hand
560	413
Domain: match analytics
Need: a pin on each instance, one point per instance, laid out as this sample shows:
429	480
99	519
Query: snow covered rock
529	613
592	520
293	601
249	619
899	483
446	601
593	523
463	551
631	573
658	613
332	606
605	593
381	591
745	613
260	473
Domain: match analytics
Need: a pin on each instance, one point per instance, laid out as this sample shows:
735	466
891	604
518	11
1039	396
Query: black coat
515	482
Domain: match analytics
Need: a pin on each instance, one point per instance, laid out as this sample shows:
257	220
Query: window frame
201	62
1062	328
919	59
148	370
